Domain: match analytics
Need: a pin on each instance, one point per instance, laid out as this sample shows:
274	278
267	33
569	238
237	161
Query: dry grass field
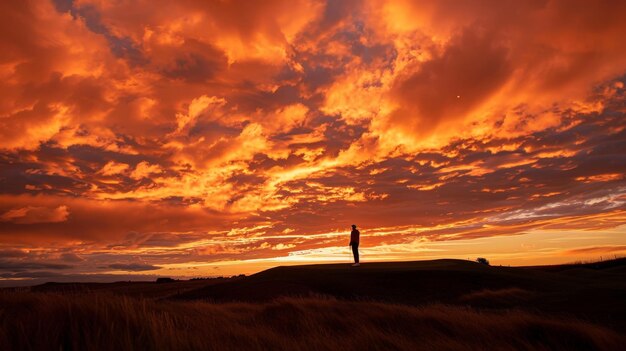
100	321
421	305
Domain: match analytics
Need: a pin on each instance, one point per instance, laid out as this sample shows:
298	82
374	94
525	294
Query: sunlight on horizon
538	247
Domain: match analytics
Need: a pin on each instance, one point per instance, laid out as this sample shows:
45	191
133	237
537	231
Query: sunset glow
202	138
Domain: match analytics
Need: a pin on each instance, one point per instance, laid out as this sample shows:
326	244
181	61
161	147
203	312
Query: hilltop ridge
588	292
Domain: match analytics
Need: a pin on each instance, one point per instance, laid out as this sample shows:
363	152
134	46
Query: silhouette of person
354	243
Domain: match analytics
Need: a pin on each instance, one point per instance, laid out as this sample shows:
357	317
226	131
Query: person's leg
355	252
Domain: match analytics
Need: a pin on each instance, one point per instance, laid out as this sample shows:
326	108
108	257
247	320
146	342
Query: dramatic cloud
32	214
219	137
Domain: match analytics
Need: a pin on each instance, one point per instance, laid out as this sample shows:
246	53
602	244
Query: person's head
354	226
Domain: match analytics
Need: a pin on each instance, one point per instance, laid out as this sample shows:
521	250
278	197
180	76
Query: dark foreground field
428	305
90	322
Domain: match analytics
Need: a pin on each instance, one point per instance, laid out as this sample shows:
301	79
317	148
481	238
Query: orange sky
201	138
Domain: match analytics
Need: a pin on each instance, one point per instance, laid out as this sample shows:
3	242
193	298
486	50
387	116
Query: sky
198	138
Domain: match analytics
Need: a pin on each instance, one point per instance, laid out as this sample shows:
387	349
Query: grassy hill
594	293
423	305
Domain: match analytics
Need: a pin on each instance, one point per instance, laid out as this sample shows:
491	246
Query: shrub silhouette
482	260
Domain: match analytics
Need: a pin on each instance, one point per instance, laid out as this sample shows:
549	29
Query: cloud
445	89
45	85
71	257
102	220
198	106
145	169
113	168
34	214
597	250
17	266
205	131
461	66
12	253
31	275
134	267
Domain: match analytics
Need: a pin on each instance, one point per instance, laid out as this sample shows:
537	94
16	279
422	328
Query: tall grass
31	321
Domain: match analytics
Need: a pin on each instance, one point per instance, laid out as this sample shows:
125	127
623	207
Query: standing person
354	243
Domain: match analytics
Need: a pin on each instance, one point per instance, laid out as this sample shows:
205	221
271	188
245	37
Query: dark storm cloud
12	253
71	257
134	267
18	266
